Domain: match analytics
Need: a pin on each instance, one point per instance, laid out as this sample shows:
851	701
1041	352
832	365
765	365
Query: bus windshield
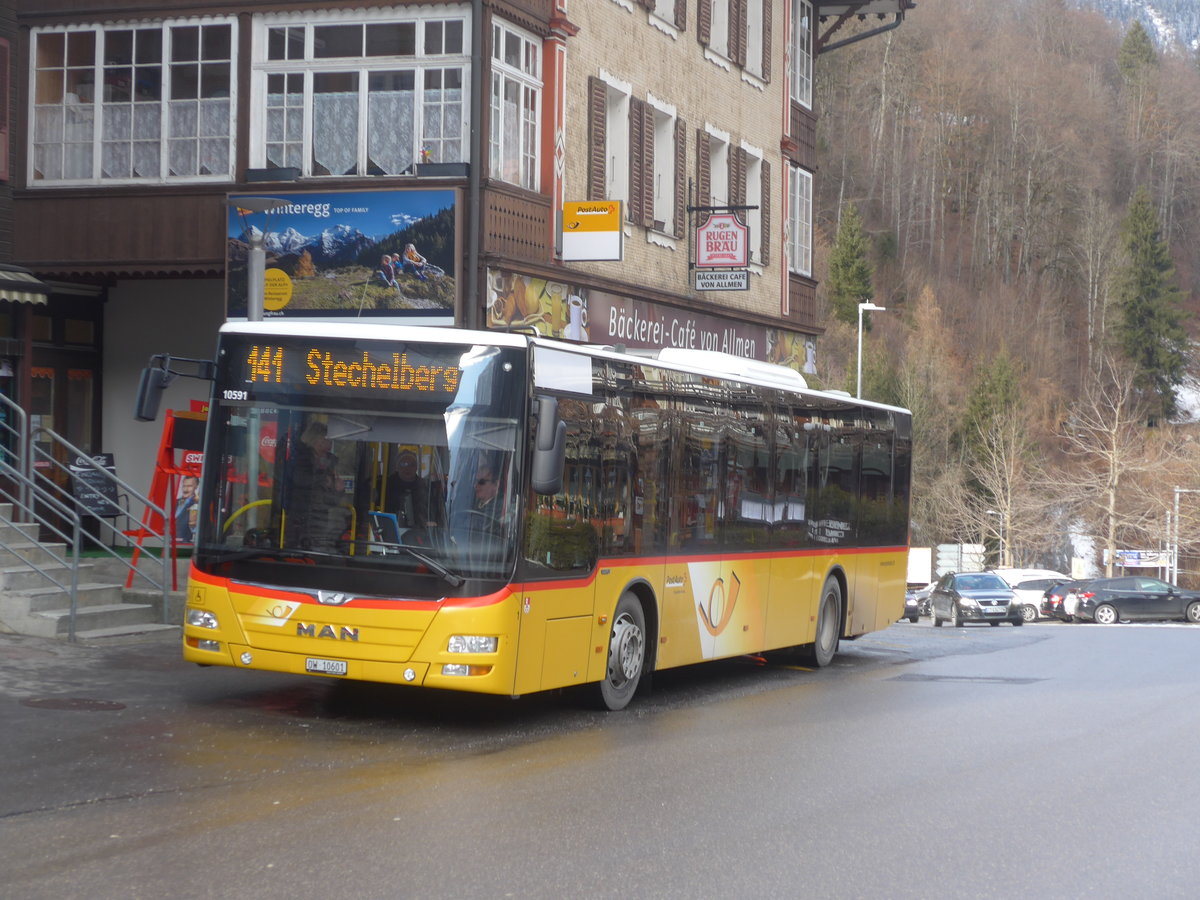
397	461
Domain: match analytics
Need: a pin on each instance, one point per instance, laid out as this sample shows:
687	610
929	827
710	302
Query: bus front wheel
626	654
829	623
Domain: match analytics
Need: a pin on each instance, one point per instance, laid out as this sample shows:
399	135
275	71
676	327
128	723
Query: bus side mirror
549	448
150	391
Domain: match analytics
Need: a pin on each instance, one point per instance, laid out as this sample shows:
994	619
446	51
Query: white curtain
390	129
335	132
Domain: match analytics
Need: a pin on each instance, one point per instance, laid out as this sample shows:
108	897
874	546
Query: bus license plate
326	666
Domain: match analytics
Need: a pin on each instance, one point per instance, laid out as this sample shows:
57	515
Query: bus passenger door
561	546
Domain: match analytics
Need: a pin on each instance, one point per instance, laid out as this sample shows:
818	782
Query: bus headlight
461	670
201	618
472	643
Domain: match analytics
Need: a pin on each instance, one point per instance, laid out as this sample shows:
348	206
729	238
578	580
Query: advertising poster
371	255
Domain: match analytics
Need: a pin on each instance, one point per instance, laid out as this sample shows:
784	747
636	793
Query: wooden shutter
737	178
597	137
702	169
647	165
680	177
704	21
764	217
681	13
766	40
738	13
641	163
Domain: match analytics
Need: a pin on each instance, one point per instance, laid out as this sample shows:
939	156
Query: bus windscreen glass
382	457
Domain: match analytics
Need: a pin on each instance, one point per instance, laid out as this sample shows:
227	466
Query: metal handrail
21	500
18	437
27	459
46	459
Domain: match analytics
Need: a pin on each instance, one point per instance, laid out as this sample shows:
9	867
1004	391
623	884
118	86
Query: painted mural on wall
374	255
556	309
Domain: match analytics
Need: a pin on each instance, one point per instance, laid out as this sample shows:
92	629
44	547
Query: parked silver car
964	597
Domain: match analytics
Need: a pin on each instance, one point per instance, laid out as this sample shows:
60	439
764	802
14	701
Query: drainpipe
472	302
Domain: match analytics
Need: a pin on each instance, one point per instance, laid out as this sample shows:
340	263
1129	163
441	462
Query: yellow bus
506	514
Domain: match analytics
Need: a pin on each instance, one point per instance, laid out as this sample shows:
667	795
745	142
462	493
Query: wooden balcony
517	224
802	305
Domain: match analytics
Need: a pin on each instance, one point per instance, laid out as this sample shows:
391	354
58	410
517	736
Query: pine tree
995	397
849	281
1137	53
1150	331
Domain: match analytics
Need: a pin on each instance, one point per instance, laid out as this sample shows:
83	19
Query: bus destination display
343	369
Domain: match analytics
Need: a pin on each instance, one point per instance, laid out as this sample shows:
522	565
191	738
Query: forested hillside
1168	21
1018	168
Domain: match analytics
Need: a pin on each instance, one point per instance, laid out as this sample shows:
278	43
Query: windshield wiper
453	578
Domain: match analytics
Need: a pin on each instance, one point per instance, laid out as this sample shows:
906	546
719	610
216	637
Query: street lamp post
256	256
862	308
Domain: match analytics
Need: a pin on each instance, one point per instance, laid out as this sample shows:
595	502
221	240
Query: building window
752	189
755	38
637	156
718	167
343	96
673	12
799	238
800	53
718	35
739	31
669	171
147	102
609	112
516	98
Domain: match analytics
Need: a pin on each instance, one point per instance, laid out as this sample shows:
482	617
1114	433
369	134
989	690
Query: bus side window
561	529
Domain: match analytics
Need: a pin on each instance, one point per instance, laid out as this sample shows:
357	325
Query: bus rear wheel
626	654
829	622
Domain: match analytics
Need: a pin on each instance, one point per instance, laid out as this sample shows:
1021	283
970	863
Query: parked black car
1054	600
964	597
916	602
1111	600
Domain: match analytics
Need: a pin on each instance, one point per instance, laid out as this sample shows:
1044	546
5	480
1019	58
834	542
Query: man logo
343	633
333	598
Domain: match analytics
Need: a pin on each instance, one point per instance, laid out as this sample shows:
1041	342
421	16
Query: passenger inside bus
412	498
316	516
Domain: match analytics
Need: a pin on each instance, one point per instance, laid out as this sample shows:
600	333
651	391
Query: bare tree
1113	450
1011	505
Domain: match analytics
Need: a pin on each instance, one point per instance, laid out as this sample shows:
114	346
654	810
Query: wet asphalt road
1044	761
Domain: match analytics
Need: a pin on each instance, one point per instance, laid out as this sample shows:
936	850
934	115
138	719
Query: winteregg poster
372	255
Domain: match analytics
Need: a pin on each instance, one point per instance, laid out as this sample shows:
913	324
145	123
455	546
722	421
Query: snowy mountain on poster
1171	23
336	246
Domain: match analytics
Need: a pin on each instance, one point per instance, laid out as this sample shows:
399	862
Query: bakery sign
722	242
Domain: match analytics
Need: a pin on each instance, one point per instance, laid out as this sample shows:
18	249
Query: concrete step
20	552
99	634
126	616
17	532
52	575
89	594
